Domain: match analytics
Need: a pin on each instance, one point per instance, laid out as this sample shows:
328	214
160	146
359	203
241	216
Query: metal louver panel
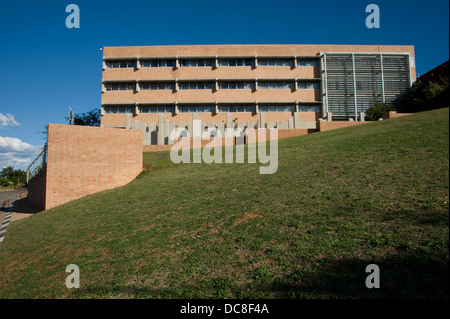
353	82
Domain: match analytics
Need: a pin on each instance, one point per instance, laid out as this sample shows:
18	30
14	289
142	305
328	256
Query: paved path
5	195
6	198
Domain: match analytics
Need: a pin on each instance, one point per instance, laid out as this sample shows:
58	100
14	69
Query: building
287	83
439	73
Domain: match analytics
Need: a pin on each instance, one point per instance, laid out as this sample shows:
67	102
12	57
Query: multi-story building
297	83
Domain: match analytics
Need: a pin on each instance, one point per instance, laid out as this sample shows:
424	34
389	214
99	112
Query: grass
340	200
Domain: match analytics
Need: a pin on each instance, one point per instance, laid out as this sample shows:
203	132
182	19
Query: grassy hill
340	200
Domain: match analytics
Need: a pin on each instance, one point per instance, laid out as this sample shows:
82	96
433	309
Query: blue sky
45	67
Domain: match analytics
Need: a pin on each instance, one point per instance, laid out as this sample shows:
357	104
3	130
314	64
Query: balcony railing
38	164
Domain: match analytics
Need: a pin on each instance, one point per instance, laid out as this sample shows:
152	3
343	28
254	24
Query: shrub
377	111
4	182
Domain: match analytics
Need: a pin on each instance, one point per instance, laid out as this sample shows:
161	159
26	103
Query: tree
377	111
91	118
429	95
16	176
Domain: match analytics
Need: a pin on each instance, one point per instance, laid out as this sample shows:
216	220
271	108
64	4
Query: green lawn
340	200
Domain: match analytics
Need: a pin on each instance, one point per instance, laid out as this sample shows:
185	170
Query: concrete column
295	83
362	117
221	128
153	133
176	108
229	123
256	107
176	87
296	106
190	128
262	117
128	121
329	116
290	123
216	108
270	125
295	61
166	132
177	62
138	63
216	63
250	125
160	139
296	120
136	110
135	125
171	129
147	135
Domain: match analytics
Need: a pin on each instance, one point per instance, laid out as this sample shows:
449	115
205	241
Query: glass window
195	85
307	62
236	85
308	85
275	85
236	108
276	108
119	86
309	108
156	109
196	109
120	64
119	109
235	62
157	86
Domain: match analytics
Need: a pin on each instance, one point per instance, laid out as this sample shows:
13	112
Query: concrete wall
282	133
83	160
331	125
394	114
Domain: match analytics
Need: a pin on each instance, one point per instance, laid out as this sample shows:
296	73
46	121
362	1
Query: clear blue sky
45	66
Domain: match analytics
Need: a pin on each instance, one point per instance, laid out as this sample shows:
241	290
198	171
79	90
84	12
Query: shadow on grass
413	275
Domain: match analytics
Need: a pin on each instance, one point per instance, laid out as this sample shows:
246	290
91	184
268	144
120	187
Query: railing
38	164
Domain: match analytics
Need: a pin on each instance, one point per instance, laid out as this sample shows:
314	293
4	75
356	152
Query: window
196	62
120	64
119	109
157	109
275	85
158	63
120	86
236	108
309	108
307	62
241	85
308	85
274	62
276	108
196	108
157	86
235	62
196	85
